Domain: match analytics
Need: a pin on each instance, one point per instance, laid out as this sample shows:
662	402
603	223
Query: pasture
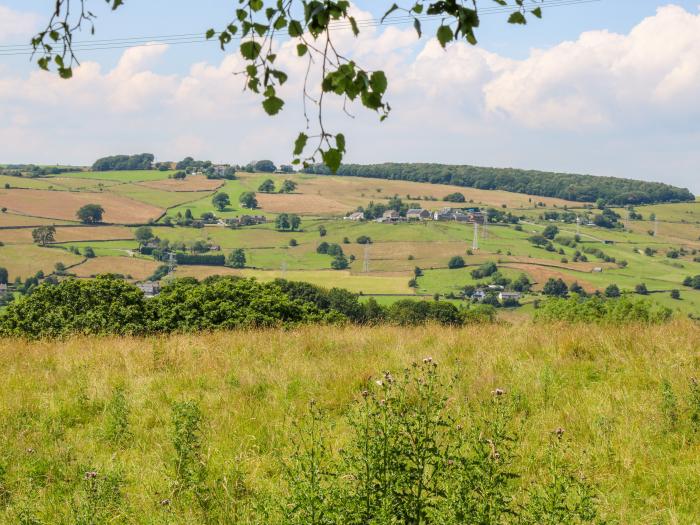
623	397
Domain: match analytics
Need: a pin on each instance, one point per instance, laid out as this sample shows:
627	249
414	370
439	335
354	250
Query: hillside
575	187
624	398
654	245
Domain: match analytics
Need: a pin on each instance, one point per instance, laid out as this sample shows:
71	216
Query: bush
485	270
456	262
363	239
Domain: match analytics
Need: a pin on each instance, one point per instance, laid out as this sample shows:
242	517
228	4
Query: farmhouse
149	288
506	296
391	216
356	216
418	214
444	214
479	295
246	220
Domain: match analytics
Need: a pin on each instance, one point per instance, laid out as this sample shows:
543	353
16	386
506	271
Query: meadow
93	426
133	198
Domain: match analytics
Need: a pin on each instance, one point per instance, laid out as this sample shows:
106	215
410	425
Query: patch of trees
44	235
287	222
692	282
455	197
261	166
236	259
248	200
597	309
90	214
288	186
374	210
267	186
575	187
485	270
142	161
200	259
455	262
110	305
221	200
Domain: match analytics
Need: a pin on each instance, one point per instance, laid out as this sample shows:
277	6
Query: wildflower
30	450
379	382
559	432
365	393
428	360
388	377
91	474
498	392
165	502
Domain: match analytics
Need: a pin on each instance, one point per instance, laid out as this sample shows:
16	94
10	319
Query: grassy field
64	205
627	433
130	267
24	260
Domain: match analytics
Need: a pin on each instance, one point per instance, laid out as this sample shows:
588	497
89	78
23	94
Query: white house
418	214
356	216
513	296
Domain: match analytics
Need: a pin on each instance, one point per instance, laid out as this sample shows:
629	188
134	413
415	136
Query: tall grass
203	428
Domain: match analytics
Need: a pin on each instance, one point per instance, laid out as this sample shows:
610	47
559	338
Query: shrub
203	260
363	239
485	270
456	262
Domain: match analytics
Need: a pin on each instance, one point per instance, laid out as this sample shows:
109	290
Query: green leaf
300	143
273	105
517	18
65	72
295	29
378	82
332	158
302	49
393	8
250	49
353	24
340	142
445	35
537	12
210	33
417	27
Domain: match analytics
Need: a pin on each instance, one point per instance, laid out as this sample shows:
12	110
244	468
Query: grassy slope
602	385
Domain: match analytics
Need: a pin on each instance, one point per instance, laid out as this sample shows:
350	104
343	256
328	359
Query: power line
198	38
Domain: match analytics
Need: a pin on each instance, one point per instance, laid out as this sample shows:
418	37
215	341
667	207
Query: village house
479	295
445	214
417	214
149	288
509	296
246	220
220	169
356	216
391	216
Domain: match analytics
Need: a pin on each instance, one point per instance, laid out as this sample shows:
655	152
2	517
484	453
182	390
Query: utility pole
578	224
485	229
365	263
475	239
284	268
656	226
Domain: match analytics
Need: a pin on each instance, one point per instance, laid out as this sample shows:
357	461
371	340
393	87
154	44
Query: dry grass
24	260
12	219
355	191
72	234
602	385
540	275
303	204
132	267
64	205
191	183
368	283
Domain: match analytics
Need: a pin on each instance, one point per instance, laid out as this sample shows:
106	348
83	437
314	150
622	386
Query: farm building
149	288
391	216
509	296
356	216
418	214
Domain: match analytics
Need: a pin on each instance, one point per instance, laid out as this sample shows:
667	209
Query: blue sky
607	88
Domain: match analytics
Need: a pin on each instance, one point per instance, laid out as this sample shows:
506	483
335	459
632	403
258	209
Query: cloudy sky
609	88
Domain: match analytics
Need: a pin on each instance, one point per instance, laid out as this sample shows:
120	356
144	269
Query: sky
608	87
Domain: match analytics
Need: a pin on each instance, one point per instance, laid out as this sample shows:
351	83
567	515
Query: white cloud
595	104
16	24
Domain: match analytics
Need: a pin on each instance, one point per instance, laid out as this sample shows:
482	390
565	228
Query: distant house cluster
481	293
246	220
420	214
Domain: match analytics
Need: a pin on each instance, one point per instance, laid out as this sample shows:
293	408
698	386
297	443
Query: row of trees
110	305
141	161
582	188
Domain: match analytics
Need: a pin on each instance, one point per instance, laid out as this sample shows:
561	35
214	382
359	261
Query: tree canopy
142	161
90	213
570	186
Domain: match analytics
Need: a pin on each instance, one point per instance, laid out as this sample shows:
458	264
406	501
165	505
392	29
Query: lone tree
288	186
311	27
267	186
90	213
236	259
143	234
44	235
221	200
456	262
4	275
248	200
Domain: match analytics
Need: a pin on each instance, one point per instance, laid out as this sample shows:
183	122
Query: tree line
570	186
110	305
141	161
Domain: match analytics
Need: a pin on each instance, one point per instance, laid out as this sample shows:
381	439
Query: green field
385	265
623	397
